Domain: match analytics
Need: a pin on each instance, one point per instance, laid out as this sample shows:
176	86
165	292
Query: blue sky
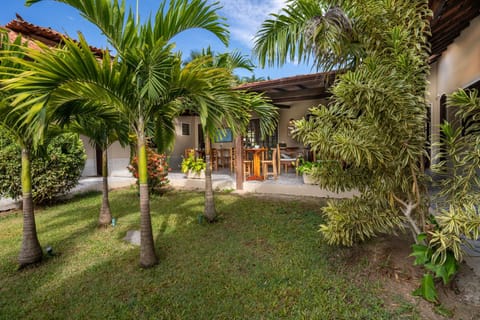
243	16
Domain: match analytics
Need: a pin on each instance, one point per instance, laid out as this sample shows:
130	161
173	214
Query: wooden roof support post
239	162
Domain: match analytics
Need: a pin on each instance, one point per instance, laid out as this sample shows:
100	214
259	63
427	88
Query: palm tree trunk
210	213
148	258
105	217
31	252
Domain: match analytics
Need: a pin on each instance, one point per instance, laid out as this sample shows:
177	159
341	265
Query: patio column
239	162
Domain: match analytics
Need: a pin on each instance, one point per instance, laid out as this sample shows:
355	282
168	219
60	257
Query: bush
157	167
54	173
192	164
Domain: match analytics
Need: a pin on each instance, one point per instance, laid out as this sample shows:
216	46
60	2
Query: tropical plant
456	220
144	81
28	135
373	124
193	164
55	170
306	167
231	109
102	132
157	167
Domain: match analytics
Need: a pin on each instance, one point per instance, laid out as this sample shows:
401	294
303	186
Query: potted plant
194	168
305	169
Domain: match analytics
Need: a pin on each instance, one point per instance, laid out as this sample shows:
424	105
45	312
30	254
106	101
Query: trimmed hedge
54	173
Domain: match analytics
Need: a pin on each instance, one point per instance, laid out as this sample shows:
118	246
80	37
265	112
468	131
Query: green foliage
444	268
191	163
427	289
355	220
54	172
373	124
307	167
457	219
157	169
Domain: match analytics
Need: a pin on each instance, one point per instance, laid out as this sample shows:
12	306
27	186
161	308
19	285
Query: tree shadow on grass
261	255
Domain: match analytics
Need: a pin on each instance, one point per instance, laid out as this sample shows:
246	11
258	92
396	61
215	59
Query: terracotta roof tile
47	36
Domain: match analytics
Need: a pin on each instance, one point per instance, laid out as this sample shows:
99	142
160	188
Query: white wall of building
118	160
183	142
90	168
297	111
458	67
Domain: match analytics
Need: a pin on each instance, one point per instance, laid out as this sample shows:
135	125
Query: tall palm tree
136	82
227	115
24	134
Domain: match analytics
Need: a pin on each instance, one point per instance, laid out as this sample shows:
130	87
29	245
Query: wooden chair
273	163
214	159
226	155
247	166
189	152
285	160
232	159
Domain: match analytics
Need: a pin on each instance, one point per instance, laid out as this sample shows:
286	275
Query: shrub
192	164
157	167
54	172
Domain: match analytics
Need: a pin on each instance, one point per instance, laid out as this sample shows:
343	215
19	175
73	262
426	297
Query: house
455	59
455	63
119	156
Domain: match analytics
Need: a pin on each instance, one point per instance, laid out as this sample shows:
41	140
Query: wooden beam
239	162
298	95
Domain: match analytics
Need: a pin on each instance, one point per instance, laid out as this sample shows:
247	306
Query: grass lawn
264	260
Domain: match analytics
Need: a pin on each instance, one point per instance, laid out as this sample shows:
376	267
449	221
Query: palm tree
226	115
327	32
25	134
103	132
136	82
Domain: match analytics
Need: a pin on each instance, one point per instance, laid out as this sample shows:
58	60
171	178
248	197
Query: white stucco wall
183	142
458	67
297	111
118	160
90	168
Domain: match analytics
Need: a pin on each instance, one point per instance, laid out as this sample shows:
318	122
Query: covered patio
258	163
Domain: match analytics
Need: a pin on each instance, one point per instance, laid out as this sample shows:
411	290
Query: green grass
264	259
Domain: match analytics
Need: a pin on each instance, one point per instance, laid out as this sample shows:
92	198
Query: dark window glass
185	129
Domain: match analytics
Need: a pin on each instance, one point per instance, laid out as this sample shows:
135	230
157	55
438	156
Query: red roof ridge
45	35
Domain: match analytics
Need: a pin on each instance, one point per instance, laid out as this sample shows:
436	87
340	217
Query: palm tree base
30	255
105	217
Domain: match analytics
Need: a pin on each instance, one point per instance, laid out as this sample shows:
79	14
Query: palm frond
182	15
109	16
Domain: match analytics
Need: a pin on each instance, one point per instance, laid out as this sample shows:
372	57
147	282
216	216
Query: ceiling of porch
284	91
450	17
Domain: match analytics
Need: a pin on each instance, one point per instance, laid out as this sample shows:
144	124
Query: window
223	135
253	136
185	129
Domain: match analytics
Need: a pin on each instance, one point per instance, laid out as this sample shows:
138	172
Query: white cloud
246	16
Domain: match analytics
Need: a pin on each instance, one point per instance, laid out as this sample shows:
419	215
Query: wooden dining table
257	163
